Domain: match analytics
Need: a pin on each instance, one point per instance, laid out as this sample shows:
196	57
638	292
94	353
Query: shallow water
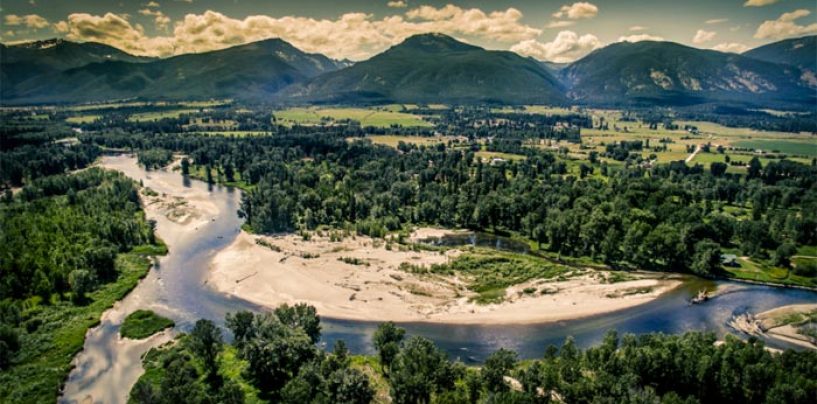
108	366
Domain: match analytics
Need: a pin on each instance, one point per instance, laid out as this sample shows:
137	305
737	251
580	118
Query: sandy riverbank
777	323
294	270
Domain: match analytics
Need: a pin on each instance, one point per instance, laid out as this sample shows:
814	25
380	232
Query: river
108	366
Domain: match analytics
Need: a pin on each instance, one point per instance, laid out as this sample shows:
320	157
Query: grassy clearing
329	116
143	323
489	155
763	272
394	140
159	115
489	272
371	367
56	332
80	119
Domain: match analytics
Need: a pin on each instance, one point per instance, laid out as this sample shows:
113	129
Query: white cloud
717	20
637	28
703	36
152	4
759	3
577	11
159	18
353	35
785	26
731	47
31	21
397	4
560	24
566	47
639	38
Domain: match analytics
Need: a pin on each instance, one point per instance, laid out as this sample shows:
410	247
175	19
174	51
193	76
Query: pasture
382	118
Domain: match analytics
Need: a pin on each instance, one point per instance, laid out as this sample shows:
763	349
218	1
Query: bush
143	323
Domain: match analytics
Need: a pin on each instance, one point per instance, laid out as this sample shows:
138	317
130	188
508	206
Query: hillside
248	71
434	68
800	52
669	73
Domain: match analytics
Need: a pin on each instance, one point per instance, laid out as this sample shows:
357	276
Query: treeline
281	363
29	151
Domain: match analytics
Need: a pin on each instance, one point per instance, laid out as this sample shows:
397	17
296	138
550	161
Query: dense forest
670	217
273	357
70	246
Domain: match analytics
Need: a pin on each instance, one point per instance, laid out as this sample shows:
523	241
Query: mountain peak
435	42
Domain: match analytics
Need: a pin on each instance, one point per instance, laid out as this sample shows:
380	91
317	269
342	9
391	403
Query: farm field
807	147
159	115
366	117
394	140
80	119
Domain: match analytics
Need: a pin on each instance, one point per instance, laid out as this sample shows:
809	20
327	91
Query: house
730	260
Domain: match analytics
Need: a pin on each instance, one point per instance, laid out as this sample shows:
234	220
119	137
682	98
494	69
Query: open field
394	140
159	115
367	117
80	119
797	147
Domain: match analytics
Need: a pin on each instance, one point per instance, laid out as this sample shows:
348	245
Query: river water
108	366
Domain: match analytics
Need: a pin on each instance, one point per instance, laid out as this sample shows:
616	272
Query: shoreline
776	324
287	269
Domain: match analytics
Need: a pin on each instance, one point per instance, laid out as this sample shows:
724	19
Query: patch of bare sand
293	270
775	323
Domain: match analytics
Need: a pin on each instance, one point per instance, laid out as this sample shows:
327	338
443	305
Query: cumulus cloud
637	28
639	38
114	30
397	4
152	4
30	21
717	20
759	3
731	47
786	26
353	35
159	18
566	47
703	36
577	11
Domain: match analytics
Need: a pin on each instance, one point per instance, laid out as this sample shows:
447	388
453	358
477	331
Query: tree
241	325
497	366
206	343
419	370
718	169
276	353
185	166
707	258
350	386
82	282
386	341
782	255
301	316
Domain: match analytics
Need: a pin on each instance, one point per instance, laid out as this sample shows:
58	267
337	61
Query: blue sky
548	30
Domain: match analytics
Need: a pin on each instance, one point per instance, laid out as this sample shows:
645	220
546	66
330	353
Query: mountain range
425	68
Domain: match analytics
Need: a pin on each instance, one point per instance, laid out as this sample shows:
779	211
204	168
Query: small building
730	260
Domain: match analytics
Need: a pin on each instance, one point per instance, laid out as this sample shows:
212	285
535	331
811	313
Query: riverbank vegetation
566	190
71	245
143	323
274	359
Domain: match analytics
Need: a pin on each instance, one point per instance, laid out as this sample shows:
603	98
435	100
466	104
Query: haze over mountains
425	68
